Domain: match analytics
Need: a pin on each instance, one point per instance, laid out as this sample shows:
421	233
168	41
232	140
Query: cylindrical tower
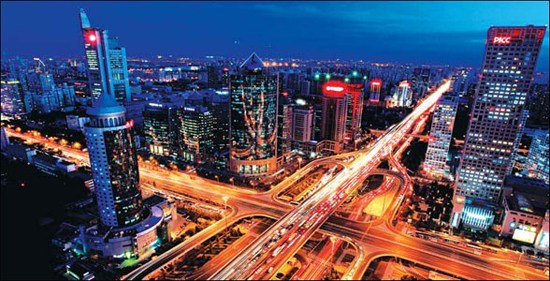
114	163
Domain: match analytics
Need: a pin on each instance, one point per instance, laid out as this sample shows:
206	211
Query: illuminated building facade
161	128
284	130
253	119
403	97
537	159
497	116
302	123
525	202
375	89
436	163
335	109
13	103
114	163
354	90
127	228
197	133
107	65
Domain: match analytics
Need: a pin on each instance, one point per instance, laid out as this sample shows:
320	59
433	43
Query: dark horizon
369	31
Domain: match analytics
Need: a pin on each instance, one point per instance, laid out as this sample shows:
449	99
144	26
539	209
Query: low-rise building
525	202
52	165
20	152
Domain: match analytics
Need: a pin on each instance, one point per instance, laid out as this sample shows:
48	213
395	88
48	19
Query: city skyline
251	162
370	31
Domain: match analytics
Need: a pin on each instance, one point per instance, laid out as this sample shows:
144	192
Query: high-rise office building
496	121
335	108
539	104
253	127
4	139
114	163
197	133
537	159
107	65
284	123
354	90
436	163
13	103
161	128
404	95
305	87
375	89
302	123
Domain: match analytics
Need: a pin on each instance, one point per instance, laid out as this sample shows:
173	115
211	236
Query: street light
332	240
218	178
300	162
520	255
232	180
225	198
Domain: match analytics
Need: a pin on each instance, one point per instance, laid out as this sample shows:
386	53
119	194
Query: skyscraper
4	139
335	108
375	89
284	124
161	128
436	163
537	159
403	96
114	163
107	65
197	133
253	127
12	98
509	61
354	90
302	127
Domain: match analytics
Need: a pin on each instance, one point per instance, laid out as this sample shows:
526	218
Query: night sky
407	32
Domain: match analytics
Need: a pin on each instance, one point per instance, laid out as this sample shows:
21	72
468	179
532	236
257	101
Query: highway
381	239
275	247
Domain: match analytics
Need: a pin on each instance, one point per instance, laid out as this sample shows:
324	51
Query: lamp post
520	255
300	162
232	180
225	198
332	240
217	178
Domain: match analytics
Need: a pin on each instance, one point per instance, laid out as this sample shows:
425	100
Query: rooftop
253	62
105	105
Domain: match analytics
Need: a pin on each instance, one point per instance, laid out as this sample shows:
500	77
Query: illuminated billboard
334	88
524	236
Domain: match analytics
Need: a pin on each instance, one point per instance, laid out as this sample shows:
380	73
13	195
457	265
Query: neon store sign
334	88
501	40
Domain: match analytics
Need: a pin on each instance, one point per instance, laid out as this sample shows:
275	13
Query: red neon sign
334	88
502	40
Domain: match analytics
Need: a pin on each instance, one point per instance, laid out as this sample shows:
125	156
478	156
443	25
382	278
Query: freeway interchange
296	224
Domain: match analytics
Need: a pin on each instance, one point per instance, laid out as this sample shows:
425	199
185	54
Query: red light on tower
334	88
92	37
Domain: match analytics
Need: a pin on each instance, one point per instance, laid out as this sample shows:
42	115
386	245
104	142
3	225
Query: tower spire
84	21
